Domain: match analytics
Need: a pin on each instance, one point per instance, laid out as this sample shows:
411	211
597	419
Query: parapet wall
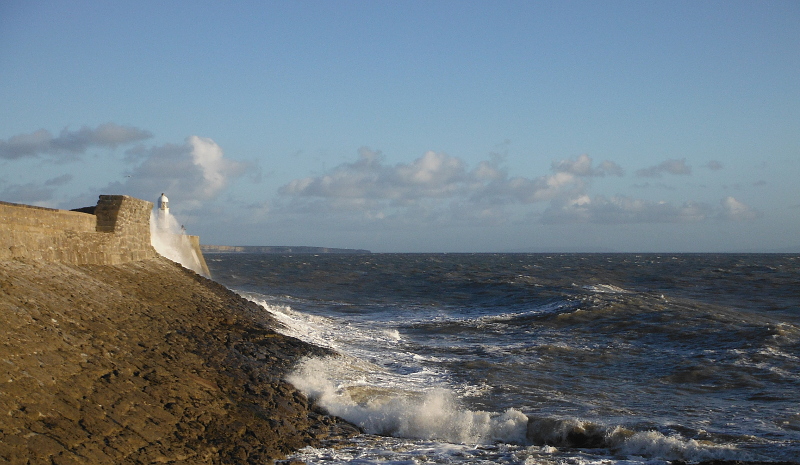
118	232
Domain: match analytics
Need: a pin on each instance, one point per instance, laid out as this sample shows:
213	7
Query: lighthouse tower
163	212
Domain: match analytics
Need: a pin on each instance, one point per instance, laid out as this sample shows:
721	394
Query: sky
415	126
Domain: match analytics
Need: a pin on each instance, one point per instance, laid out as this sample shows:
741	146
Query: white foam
374	450
653	444
431	414
316	330
392	334
606	289
368	342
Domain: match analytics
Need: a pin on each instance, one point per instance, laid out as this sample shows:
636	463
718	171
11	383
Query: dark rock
565	433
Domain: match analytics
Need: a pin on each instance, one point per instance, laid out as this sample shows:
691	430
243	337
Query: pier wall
117	232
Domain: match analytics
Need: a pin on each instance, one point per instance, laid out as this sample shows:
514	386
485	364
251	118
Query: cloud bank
439	177
42	142
622	209
441	188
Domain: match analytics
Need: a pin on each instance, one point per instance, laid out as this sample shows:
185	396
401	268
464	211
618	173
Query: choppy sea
542	358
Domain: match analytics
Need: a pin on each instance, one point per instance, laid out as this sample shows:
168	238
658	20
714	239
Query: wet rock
565	433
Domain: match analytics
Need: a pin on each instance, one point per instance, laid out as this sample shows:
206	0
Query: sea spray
433	414
170	242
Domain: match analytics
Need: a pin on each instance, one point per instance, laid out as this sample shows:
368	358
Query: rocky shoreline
144	362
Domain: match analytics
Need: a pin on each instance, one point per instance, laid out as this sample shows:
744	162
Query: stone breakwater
116	231
144	362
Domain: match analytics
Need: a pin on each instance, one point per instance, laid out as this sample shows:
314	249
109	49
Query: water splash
170	241
432	414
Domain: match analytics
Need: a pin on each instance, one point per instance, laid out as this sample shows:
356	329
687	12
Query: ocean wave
309	328
437	414
645	358
604	289
359	345
428	414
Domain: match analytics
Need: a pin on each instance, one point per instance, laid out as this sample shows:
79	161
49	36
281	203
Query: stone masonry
118	232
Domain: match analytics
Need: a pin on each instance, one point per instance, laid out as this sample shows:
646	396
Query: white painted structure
163	212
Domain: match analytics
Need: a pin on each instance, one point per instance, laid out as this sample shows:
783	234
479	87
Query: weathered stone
146	362
117	232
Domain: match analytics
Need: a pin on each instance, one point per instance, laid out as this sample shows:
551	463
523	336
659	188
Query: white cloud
430	176
437	186
189	173
622	209
582	166
545	187
490	170
42	142
735	210
676	167
208	156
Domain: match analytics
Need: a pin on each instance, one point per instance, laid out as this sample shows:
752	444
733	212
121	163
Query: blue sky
410	126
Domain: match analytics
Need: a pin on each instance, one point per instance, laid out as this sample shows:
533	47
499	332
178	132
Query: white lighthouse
163	212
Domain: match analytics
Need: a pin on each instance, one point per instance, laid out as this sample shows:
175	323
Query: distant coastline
277	249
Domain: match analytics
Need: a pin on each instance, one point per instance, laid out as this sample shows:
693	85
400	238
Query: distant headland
277	249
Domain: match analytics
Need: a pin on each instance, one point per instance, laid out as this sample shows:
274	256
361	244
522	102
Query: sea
581	359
